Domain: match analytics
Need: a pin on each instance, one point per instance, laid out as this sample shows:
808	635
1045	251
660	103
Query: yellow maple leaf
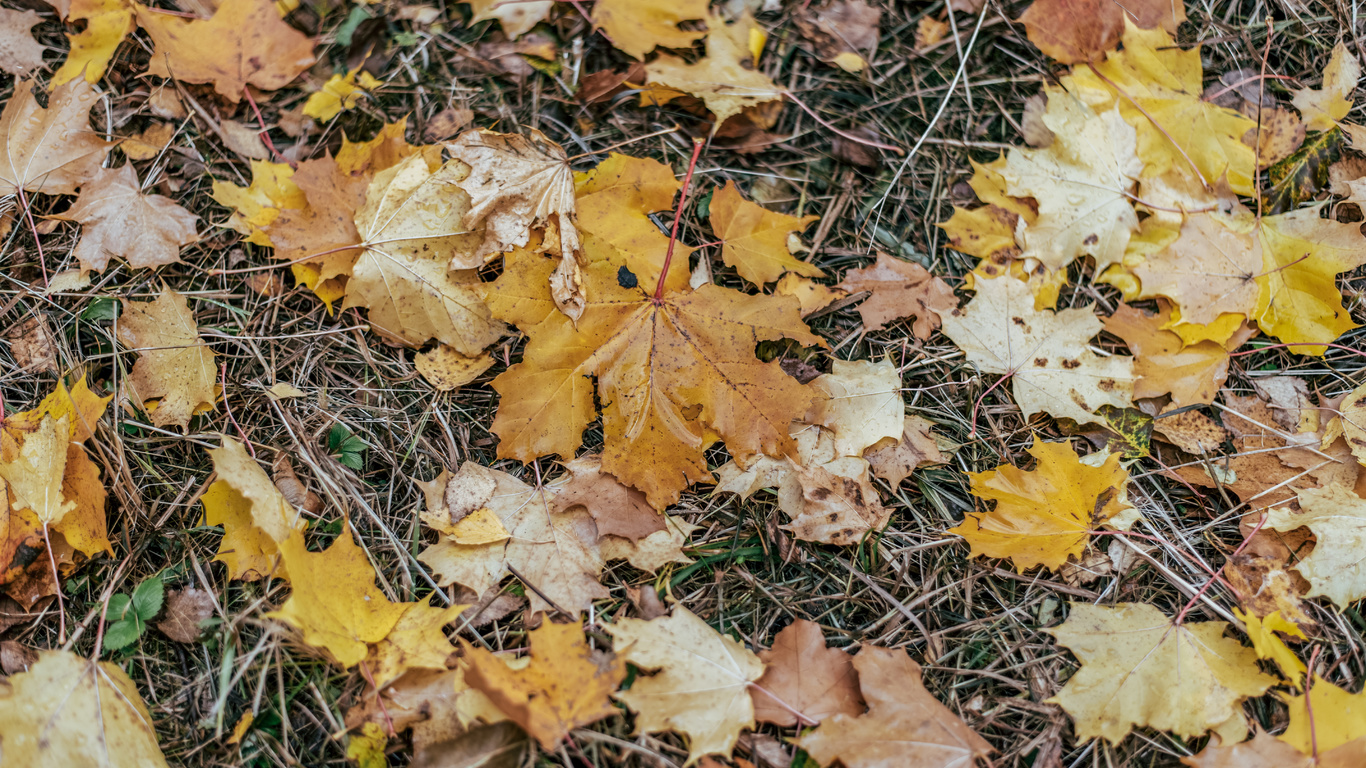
1044	516
1158	88
35	475
1140	669
257	205
614	203
66	710
701	683
107	23
1298	299
334	602
727	79
267	507
249	552
637	27
567	684
1191	373
82	407
1338	717
84	527
367	747
1268	645
1337	516
417	641
1207	265
754	240
1324	107
174	367
340	93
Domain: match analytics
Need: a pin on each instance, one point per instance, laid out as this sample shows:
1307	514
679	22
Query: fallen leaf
1073	31
900	289
244	43
516	18
1207	269
1191	431
1264	587
1280	135
895	461
503	745
1191	374
367	747
654	551
272	190
416	642
174	367
904	725
841	31
810	295
35	475
803	677
1337	516
637	27
149	143
456	505
313	231
107	23
754	240
50	149
1337	717
68	710
1140	669
446	369
618	510
33	346
186	611
1323	108
556	555
1298	300
929	31
447	122
728	79
333	600
567	684
244	140
117	219
1044	353
1045	516
84	528
20	54
1261	751
701	683
614	203
340	93
1270	646
861	402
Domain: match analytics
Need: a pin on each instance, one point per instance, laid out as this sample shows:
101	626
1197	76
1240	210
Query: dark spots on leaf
1106	385
626	278
1019	321
833	516
1071	365
819	494
1040	362
1091	239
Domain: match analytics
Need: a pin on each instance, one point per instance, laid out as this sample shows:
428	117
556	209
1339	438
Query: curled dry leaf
700	685
294	491
900	289
841	31
186	611
244	43
805	679
50	149
895	461
118	220
174	367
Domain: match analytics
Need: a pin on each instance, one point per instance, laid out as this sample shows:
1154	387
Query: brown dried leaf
33	346
897	461
20	54
186	609
50	149
806	676
174	366
900	289
117	219
618	509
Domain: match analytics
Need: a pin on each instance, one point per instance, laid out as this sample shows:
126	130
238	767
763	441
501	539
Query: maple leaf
107	23
556	555
446	369
50	149
79	405
249	552
333	600
244	43
805	679
900	289
1337	516
254	207
516	19
861	402
1191	374
1298	300
904	725
701	688
1323	108
895	461
340	93
754	240
567	684
637	27
266	507
35	475
1207	269
1082	184
1045	353
1140	669
1336	717
20	54
174	367
1264	587
1269	645
654	551
1044	516
810	295
314	236
118	220
618	510
408	225
417	641
48	713
1074	31
670	373
614	203
989	229
727	79
1158	87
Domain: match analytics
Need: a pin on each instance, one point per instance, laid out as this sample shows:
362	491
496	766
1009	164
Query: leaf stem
678	214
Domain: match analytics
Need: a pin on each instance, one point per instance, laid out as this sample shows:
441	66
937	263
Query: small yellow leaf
339	93
1262	633
367	747
1338	717
754	240
636	27
35	476
107	23
1322	108
446	369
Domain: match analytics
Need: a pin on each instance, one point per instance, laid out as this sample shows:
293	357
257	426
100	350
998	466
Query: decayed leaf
244	43
1264	587
1269	645
409	226
802	673
566	685
445	369
618	510
334	602
1045	353
33	346
728	79
904	726
1082	183
67	711
832	507
895	461
1323	108
1337	516
861	402
670	375
1073	31
107	23
1140	669
754	240
841	31
654	551
1192	374
637	27
516	18
174	367
702	685
555	554
118	220
20	54
186	610
50	149
900	289
1338	717
1044	516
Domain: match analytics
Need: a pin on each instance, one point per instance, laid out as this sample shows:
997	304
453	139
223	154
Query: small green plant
127	617
346	447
